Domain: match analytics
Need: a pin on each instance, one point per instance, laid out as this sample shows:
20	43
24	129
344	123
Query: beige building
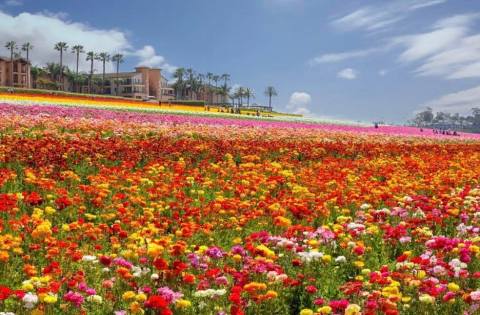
143	83
21	73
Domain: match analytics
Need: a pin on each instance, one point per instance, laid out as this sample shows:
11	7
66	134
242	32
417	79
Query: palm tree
210	94
53	70
179	84
27	47
190	81
270	92
249	93
91	56
215	79
61	47
118	59
77	50
11	45
104	57
224	91
35	72
225	77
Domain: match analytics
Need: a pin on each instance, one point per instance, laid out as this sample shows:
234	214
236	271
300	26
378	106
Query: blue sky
358	60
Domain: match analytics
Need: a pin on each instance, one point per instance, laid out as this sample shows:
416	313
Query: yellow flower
306	311
421	274
353	309
359	264
153	250
27	286
128	295
427	299
181	303
267	252
49	210
453	287
326	258
50	299
324	310
140	297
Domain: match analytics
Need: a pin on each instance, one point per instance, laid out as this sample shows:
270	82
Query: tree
215	79
425	117
11	45
224	92
91	56
210	91
104	57
77	50
179	84
61	47
27	47
225	77
35	72
117	59
270	92
249	93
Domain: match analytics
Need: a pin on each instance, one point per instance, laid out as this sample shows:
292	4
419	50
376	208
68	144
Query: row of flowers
107	212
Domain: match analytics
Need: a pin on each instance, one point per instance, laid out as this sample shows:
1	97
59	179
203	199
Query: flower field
116	212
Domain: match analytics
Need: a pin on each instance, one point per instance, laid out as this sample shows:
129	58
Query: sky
351	59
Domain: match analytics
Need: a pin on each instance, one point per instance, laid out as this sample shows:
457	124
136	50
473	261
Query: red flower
5	292
236	295
105	260
156	302
160	264
311	289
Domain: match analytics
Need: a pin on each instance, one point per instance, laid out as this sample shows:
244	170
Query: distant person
376	125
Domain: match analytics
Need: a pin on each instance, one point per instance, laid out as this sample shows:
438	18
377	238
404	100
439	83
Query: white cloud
383	72
337	57
299	103
348	74
44	29
459	102
448	50
149	58
370	18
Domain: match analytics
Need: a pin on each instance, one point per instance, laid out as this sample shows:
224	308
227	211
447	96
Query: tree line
441	120
58	72
189	84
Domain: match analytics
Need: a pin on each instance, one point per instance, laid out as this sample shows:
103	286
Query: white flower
154	276
341	259
355	226
310	256
30	300
95	299
90	258
209	293
365	206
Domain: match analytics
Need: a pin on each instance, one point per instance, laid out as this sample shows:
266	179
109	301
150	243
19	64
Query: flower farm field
111	212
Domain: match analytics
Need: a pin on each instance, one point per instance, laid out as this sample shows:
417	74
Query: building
167	92
143	83
21	73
